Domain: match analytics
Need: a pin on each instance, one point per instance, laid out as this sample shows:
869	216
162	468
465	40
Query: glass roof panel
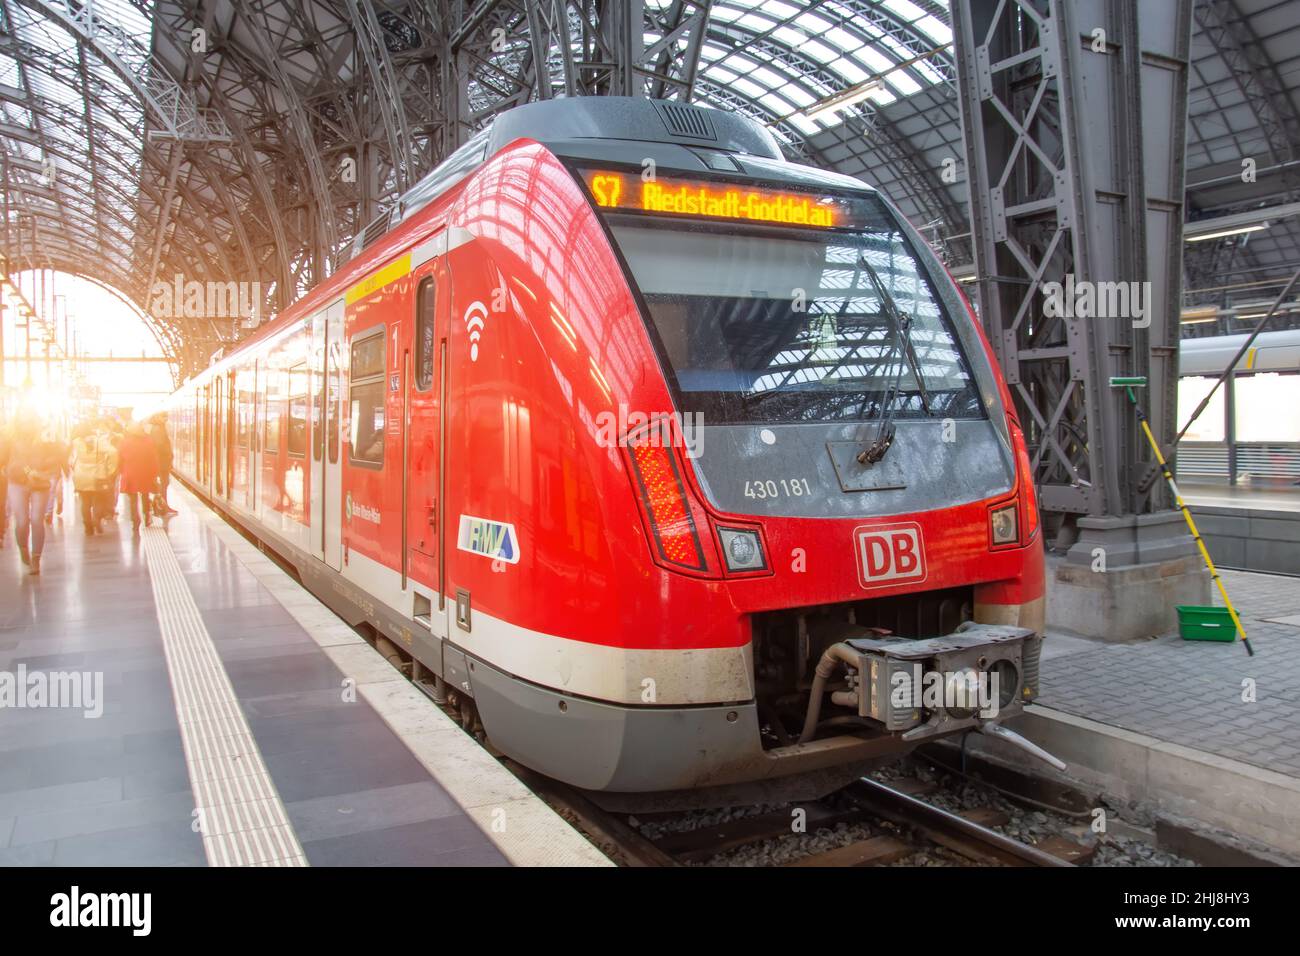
756	23
835	40
778	9
818	51
852	72
748	87
906	10
900	81
935	29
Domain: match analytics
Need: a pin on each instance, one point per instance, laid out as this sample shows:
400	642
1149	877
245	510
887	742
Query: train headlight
961	693
742	549
1003	525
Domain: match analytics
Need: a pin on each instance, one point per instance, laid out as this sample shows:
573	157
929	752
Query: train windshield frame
778	322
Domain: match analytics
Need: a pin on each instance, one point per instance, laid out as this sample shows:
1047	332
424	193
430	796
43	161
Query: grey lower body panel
611	747
599	746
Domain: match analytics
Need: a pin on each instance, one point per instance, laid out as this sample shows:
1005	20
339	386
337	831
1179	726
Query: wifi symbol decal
474	323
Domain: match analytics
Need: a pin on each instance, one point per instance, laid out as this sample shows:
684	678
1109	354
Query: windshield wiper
900	327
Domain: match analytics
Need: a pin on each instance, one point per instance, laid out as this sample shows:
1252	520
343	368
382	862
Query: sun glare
73	348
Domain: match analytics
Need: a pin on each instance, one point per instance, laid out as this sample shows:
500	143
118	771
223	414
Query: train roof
615	129
1271	352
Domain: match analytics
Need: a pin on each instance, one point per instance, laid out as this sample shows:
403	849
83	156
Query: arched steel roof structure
249	140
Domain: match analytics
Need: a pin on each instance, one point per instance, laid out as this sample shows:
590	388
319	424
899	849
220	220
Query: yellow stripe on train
377	280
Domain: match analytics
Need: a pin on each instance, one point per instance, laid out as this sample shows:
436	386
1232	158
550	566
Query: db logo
890	553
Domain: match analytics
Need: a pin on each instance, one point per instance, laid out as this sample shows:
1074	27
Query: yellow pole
1187	515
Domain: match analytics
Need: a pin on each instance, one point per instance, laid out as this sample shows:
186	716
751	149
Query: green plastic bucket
1199	623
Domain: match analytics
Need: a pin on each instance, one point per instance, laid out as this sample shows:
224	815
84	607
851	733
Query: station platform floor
213	712
1196	693
1282	498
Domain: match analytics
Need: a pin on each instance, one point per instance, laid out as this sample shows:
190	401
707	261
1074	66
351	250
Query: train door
331	496
206	453
231	430
244	436
317	372
218	437
256	439
423	439
196	434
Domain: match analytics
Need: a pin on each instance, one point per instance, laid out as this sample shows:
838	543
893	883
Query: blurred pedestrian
162	444
34	461
139	472
111	426
5	442
54	503
94	463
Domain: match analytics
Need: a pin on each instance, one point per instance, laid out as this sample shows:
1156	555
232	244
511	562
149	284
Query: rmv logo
889	553
491	539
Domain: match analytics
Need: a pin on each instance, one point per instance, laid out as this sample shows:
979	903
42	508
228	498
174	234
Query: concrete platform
1254	529
1248	497
216	713
1195	728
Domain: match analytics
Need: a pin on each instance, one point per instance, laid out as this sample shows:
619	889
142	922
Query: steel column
1074	143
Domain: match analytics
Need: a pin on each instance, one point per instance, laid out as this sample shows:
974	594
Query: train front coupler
922	689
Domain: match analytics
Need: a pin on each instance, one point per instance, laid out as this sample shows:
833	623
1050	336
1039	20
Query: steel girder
1230	33
1076	168
235	126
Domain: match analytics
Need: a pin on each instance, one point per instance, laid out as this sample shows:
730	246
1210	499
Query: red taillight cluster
1014	522
663	495
1019	527
1025	486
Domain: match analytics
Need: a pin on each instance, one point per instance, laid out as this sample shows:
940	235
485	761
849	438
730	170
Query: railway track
901	825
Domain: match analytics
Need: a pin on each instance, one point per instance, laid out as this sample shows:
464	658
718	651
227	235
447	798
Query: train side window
244	406
298	402
424	334
367	396
317	411
272	408
333	389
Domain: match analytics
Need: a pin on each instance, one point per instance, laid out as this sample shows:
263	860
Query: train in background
669	460
1250	431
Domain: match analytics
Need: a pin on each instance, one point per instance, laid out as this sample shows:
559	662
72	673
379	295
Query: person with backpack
94	463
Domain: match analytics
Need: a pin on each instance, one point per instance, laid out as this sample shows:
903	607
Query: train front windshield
784	322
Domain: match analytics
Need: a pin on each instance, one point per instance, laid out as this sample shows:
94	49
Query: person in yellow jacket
94	464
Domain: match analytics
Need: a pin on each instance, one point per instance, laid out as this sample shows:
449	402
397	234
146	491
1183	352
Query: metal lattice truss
1073	183
247	141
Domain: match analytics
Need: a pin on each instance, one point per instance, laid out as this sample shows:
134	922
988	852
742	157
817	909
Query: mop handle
1187	515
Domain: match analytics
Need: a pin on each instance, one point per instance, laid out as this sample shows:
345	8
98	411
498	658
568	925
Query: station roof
251	139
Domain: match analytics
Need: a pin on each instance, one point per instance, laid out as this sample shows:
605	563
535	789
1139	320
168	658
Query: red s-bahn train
682	465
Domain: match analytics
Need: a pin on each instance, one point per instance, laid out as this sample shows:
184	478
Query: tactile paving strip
240	814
